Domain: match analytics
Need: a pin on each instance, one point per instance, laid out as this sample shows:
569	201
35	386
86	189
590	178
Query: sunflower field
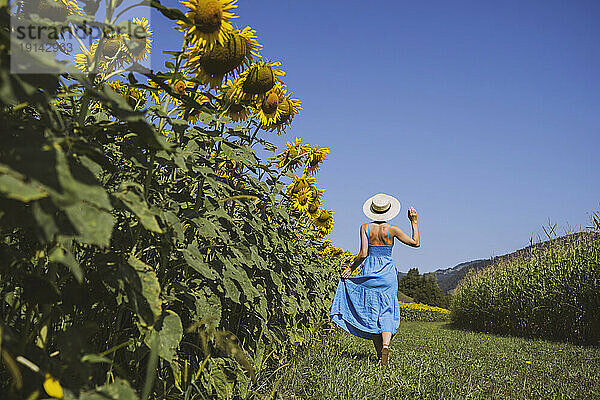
149	249
422	312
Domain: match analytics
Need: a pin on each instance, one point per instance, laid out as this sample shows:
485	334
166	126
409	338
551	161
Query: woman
367	305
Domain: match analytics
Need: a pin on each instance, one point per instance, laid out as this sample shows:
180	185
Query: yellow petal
52	387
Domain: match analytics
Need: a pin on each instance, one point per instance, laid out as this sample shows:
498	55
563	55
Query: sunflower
180	83
291	157
136	98
324	216
267	108
140	46
119	87
83	61
180	87
335	251
314	207
302	200
238	111
211	66
210	21
317	194
261	205
347	256
73	7
288	108
52	386
113	52
234	182
259	78
323	221
326	244
233	107
317	197
57	10
299	183
227	164
314	160
154	94
112	46
328	249
191	114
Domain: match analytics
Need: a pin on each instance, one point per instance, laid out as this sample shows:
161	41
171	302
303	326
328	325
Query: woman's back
379	234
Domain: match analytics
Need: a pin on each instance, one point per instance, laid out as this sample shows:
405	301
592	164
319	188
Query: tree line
423	289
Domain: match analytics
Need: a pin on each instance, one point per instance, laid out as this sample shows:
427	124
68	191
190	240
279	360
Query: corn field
551	290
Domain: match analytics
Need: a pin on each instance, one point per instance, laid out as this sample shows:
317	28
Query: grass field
430	360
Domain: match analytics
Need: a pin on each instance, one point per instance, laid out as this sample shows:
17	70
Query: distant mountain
449	278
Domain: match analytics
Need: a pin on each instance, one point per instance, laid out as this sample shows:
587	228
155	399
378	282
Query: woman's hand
412	215
347	272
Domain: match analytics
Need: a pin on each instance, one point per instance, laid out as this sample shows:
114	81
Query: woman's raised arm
413	241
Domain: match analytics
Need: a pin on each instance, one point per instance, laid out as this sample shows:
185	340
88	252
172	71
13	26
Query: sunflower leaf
118	390
196	261
171	13
13	186
93	225
140	209
63	256
169	331
146	298
231	291
208	306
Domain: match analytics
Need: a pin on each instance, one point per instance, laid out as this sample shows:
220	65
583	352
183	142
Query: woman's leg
386	338
378	343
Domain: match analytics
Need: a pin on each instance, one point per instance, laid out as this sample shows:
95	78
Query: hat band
382	211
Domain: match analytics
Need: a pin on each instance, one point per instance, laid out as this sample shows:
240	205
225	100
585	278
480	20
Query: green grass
430	360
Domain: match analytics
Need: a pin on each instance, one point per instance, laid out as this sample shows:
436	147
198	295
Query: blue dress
368	304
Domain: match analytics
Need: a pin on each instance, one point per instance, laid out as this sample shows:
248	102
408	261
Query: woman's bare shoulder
395	228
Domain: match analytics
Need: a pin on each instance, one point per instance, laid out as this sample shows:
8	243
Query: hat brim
395	207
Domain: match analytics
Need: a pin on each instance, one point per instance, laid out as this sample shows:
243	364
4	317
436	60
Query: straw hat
381	207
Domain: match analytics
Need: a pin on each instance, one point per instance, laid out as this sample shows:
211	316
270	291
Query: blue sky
484	116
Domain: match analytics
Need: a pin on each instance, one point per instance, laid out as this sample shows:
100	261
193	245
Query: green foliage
119	390
404	298
549	290
422	288
595	219
130	262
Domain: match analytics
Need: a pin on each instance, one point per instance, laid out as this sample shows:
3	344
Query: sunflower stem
113	74
254	135
284	168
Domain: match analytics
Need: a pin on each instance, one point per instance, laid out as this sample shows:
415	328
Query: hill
449	278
